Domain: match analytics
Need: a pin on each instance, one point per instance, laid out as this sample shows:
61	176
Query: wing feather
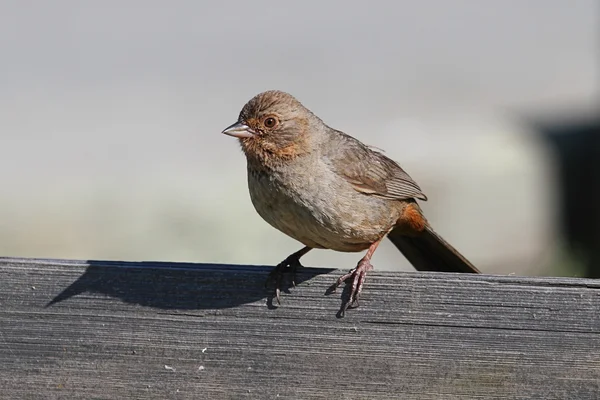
371	172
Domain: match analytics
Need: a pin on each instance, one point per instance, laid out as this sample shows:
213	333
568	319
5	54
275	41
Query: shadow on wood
183	286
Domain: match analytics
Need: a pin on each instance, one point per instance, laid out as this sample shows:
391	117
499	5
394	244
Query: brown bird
328	190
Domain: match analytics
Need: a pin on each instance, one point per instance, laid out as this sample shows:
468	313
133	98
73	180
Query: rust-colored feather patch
268	154
412	218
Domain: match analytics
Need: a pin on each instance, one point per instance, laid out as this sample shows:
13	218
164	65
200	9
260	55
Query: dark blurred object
576	143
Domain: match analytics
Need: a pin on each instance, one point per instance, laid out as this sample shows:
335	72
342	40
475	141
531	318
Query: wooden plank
115	330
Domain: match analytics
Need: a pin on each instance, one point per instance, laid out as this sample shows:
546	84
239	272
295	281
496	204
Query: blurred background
111	113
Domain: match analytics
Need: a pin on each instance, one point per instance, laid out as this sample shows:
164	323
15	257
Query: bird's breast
311	204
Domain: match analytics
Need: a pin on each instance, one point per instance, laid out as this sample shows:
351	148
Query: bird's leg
358	276
291	264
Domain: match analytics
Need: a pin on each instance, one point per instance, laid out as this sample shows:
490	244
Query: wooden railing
121	330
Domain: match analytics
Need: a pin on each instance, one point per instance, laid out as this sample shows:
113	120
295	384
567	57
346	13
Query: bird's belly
317	216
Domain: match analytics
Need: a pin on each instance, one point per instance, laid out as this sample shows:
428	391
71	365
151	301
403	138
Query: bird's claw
358	276
289	265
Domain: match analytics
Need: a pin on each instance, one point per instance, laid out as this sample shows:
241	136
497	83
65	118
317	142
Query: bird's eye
270	122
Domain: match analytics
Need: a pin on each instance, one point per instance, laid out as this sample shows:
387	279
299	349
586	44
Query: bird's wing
370	172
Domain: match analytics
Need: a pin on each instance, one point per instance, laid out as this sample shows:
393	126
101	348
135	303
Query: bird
328	190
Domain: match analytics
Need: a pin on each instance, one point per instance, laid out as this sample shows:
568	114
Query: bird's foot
289	265
358	276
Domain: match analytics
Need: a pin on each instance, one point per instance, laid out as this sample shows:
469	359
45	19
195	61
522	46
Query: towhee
328	190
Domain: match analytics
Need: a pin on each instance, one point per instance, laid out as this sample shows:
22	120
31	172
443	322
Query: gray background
111	112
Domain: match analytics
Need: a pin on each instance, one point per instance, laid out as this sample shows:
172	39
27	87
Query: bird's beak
239	130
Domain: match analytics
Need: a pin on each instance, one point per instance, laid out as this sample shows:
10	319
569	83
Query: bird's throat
269	154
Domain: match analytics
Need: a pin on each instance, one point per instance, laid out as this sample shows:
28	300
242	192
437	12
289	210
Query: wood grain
116	330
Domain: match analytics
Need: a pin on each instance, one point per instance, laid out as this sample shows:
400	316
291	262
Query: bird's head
272	126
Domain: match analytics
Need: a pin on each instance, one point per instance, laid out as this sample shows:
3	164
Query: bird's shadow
183	286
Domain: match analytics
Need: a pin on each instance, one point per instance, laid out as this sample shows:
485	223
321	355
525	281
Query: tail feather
429	252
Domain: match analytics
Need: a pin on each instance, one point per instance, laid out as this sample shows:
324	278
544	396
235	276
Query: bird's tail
429	252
